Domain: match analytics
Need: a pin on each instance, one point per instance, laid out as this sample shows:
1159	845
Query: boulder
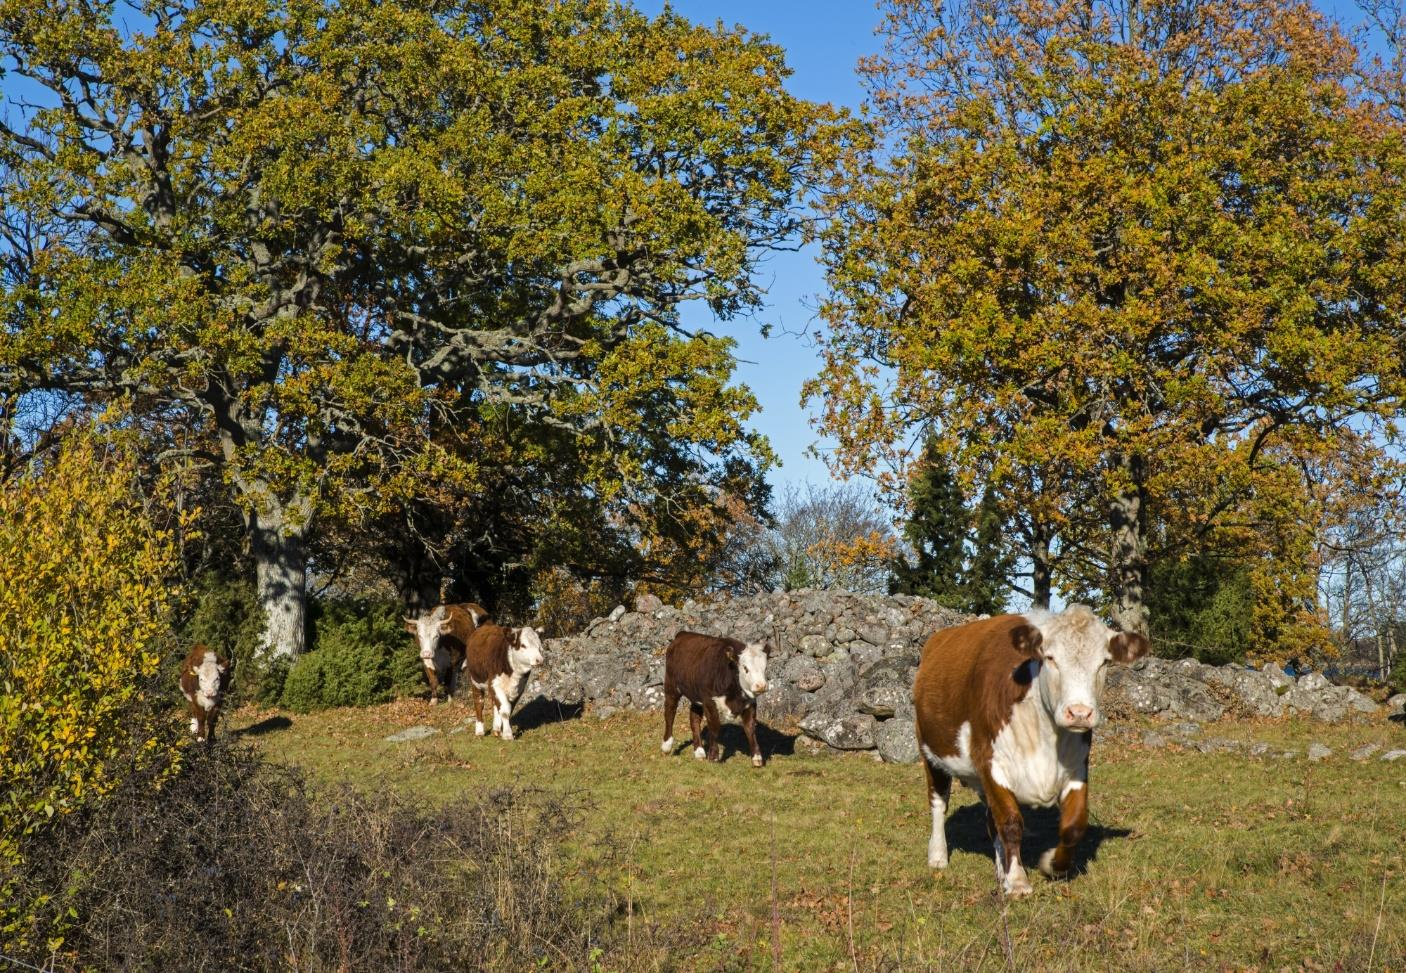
897	740
648	604
1396	705
1317	752
1364	751
1314	681
804	673
1391	756
853	732
885	701
412	733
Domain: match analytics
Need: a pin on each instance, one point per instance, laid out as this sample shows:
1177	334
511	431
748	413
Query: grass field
1193	861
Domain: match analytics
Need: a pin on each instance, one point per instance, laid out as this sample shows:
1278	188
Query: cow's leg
715	729
749	727
194	726
504	710
477	692
1004	823
1073	822
210	719
671	708
939	792
695	721
432	677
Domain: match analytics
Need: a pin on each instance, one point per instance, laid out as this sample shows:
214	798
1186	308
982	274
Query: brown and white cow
441	635
1008	705
204	680
719	677
498	661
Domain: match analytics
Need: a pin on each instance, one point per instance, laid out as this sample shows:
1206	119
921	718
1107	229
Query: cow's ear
409	624
1128	646
446	626
731	654
1027	641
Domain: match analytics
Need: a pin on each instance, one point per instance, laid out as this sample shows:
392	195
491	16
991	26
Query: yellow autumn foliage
84	605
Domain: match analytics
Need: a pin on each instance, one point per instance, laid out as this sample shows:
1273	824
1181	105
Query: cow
204	681
498	660
441	635
1008	706
717	676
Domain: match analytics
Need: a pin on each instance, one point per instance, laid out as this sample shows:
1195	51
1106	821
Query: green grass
1193	861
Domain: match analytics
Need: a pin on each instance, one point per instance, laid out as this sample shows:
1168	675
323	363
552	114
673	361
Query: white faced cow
498	661
717	676
204	681
441	635
1008	705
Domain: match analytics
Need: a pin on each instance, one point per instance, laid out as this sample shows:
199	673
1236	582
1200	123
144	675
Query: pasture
1193	861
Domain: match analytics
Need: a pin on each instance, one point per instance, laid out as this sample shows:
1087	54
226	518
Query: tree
320	232
831	537
936	531
1140	254
961	554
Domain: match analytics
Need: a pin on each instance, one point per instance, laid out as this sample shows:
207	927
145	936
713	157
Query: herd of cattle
1006	705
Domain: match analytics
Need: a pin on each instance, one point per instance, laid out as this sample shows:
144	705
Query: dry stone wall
843	666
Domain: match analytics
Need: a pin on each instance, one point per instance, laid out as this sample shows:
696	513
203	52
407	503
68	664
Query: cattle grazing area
1191	860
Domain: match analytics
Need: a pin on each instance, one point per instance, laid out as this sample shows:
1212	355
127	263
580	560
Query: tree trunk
1128	567
280	555
1041	570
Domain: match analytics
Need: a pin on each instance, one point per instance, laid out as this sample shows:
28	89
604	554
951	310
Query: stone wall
843	666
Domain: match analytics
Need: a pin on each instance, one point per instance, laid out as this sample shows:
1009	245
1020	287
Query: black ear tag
1026	672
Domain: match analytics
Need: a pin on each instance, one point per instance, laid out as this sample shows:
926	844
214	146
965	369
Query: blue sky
823	42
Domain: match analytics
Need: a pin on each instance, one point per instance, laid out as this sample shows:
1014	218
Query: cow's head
1074	650
751	667
524	648
211	672
427	629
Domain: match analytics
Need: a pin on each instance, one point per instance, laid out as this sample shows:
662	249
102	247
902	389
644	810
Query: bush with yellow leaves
85	597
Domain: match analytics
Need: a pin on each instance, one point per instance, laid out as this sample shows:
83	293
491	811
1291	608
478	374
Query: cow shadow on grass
774	743
271	725
1397	718
966	831
541	711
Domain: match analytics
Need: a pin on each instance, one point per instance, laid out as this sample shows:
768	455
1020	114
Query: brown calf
204	680
1008	705
713	674
498	661
441	635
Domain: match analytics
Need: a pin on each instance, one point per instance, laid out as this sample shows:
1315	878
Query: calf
713	674
1008	705
441	635
204	681
498	660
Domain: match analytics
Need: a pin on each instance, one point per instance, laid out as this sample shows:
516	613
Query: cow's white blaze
959	764
526	652
207	697
751	669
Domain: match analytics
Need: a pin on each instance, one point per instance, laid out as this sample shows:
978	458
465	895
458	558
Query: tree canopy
357	249
1134	263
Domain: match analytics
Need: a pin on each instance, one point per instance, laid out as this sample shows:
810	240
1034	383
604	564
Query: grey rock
1317	752
616	613
817	646
897	741
885	701
604	712
1153	740
648	604
1314	681
1258	749
1391	756
1360	702
1396	705
1192	700
1365	751
1277	676
804	673
874	634
1185	729
783	702
412	733
854	732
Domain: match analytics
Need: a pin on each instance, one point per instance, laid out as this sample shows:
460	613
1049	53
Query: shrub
84	612
243	862
360	656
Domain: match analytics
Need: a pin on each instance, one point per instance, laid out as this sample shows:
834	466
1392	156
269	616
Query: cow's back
486	653
969	680
698	665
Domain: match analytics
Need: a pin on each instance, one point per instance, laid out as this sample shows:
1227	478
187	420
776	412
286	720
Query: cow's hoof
667	746
937	859
507	734
699	753
757	761
478	729
1047	868
434	700
1018	886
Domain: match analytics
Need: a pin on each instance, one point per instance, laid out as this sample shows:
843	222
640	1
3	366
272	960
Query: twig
775	905
849	908
1005	907
1381	906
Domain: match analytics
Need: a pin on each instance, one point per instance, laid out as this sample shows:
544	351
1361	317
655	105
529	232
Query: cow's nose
1079	715
761	687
